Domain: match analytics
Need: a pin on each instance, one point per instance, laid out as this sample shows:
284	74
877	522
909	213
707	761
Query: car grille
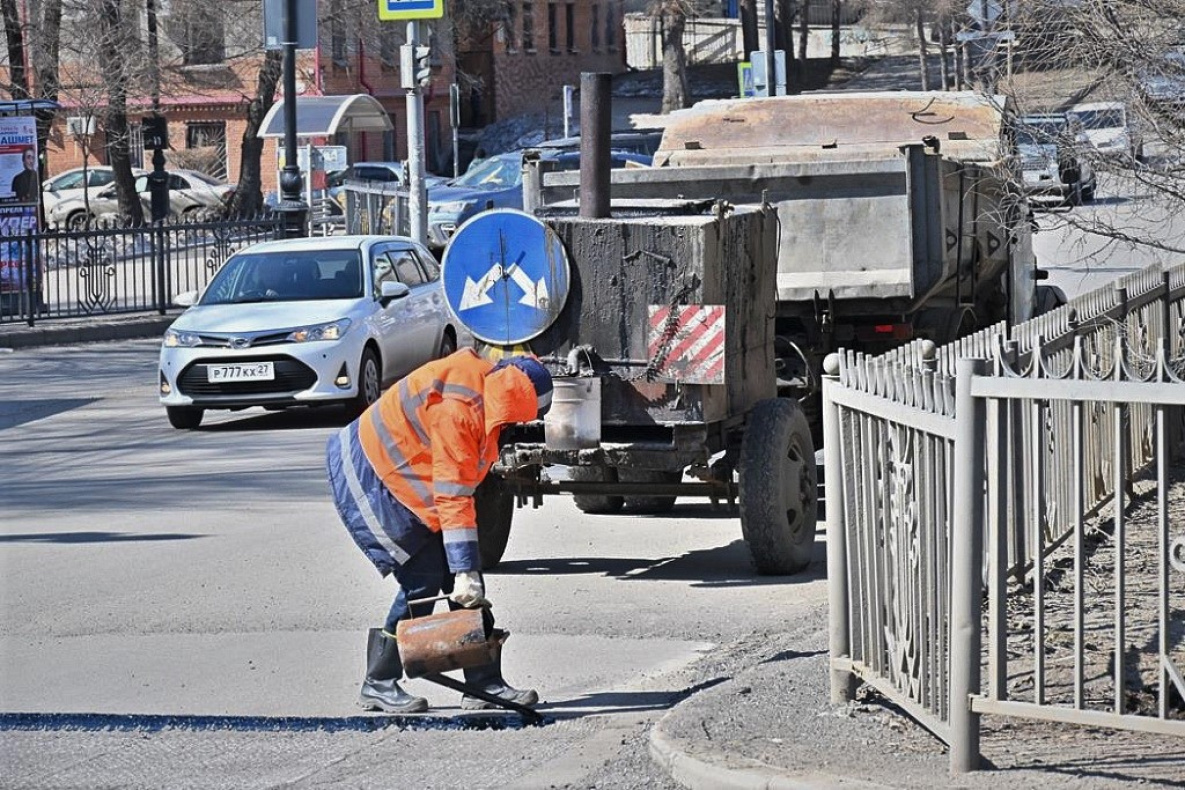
291	376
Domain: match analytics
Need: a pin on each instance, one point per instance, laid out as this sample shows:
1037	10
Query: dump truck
769	233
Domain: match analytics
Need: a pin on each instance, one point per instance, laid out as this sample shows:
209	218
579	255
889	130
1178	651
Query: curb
708	771
52	333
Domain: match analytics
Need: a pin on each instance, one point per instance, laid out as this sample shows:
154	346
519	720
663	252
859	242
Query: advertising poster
20	192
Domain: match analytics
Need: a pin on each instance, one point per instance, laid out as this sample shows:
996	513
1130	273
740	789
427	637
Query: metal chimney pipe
595	124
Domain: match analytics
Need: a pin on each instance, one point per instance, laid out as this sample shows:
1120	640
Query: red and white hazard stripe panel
686	343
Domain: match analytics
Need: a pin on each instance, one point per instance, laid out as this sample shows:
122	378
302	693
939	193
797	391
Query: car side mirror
186	299
391	290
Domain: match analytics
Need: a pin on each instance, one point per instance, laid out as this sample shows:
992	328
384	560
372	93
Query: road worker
403	477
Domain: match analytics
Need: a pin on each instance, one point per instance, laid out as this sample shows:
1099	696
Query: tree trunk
836	16
750	32
112	29
923	49
18	86
248	198
944	47
676	93
45	64
804	30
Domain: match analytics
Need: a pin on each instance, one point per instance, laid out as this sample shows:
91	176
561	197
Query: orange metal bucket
445	641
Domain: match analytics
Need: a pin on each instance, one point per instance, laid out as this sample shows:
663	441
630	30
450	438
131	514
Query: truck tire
778	487
494	502
648	504
596	503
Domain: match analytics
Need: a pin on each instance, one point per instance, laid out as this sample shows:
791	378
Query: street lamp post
292	206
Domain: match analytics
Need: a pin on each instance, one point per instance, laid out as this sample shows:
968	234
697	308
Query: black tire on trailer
596	503
778	487
494	502
648	504
185	418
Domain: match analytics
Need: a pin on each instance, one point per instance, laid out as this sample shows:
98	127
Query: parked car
1054	159
636	141
1161	82
1108	129
305	322
76	182
376	172
189	192
497	182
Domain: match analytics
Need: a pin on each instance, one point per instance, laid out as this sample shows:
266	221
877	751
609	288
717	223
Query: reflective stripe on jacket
432	438
386	531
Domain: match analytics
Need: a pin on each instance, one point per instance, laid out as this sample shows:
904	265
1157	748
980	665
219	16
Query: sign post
415	72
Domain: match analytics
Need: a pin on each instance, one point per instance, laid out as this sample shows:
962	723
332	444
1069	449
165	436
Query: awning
26	106
322	116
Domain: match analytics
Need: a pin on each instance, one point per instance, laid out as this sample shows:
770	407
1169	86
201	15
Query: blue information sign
506	276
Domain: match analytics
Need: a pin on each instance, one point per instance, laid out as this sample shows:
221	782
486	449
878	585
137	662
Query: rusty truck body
783	228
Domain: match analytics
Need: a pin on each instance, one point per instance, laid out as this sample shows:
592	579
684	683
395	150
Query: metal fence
376	207
110	270
1007	463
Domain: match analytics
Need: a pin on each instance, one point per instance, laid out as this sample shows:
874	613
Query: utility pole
416	70
771	66
292	206
158	180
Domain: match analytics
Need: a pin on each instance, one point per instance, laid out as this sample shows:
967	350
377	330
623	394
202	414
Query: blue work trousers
424	575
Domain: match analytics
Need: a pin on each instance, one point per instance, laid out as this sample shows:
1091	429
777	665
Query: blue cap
540	378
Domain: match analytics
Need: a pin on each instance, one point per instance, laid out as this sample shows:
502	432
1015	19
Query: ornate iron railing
109	269
994	462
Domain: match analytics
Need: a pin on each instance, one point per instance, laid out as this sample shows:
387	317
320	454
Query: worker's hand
468	590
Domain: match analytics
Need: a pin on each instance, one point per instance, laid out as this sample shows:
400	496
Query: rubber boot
489	679
380	690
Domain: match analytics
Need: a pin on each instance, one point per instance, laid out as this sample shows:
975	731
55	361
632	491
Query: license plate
250	371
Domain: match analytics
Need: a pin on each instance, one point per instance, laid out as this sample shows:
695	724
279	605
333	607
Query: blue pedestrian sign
410	9
506	276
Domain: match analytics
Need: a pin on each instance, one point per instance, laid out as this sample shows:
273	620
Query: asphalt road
153	573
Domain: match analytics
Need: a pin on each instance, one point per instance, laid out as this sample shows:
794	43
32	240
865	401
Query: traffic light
423	68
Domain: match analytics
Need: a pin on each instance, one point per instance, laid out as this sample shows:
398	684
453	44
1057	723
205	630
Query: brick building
211	55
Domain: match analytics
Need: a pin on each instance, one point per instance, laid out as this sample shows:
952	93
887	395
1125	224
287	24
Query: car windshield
287	276
498	171
1039	132
1102	119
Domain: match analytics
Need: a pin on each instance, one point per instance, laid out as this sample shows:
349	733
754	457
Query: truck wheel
494	502
648	504
596	503
778	487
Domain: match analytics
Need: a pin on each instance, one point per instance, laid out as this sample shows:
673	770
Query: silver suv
1054	159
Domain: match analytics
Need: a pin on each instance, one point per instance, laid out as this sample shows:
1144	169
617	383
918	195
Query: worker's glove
468	590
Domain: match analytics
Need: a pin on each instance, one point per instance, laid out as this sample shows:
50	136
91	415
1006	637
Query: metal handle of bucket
441	597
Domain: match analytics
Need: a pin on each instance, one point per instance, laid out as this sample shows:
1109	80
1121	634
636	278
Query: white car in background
189	193
305	322
1107	128
74	183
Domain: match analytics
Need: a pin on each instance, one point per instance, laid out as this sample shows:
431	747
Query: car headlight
334	330
455	207
174	339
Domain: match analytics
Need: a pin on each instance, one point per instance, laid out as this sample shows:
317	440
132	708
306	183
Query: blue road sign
506	276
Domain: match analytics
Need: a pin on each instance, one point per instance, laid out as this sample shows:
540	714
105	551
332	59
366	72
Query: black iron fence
110	270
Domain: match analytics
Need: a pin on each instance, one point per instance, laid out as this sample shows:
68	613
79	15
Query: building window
595	28
337	34
207	142
510	25
390	39
202	35
553	28
570	26
528	28
610	28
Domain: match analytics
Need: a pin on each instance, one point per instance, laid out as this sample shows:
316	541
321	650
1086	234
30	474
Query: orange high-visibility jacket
432	438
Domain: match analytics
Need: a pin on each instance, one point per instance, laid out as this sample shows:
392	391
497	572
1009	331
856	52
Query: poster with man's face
20	182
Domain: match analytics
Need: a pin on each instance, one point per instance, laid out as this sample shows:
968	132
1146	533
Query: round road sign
506	276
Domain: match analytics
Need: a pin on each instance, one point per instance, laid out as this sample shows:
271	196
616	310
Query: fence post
843	682
967	524
30	278
158	261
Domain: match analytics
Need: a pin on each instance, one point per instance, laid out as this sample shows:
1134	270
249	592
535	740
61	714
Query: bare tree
115	41
248	198
676	92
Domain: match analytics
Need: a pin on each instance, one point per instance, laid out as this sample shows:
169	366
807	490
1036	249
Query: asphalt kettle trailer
667	325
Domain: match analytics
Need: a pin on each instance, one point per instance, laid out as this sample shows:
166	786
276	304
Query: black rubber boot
488	678
380	690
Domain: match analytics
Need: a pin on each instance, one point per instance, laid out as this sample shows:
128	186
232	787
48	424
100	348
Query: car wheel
448	344
77	221
370	383
185	418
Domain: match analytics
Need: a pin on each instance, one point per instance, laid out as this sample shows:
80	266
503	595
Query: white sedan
306	322
189	193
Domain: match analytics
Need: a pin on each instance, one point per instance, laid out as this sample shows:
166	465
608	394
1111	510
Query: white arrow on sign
477	293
